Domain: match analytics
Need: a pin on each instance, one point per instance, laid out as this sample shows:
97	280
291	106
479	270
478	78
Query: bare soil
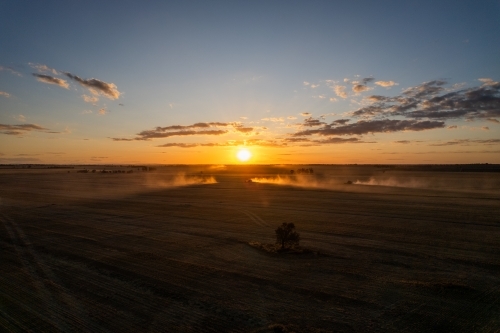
402	251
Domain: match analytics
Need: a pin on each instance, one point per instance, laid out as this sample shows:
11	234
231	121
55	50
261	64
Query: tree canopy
287	236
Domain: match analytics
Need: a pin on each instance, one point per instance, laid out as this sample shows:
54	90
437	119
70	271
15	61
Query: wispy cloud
340	91
43	68
468	142
274	119
20	129
4	94
305	114
51	80
386	84
10	70
97	87
90	99
20	118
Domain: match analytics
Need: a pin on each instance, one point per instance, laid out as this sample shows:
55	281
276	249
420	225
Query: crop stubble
108	253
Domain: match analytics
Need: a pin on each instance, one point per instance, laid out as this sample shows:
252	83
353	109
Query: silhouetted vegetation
287	236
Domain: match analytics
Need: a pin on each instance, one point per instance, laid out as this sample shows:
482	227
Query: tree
286	235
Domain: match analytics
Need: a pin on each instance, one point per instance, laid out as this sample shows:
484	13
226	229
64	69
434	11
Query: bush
287	236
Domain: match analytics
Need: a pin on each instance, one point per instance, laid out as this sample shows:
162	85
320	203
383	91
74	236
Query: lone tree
286	235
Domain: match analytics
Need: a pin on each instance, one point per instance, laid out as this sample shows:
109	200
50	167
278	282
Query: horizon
287	82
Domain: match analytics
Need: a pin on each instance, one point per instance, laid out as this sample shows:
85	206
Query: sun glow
244	155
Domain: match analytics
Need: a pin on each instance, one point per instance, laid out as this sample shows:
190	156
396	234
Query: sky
193	82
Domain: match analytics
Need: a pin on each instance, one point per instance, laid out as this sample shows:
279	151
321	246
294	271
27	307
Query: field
399	250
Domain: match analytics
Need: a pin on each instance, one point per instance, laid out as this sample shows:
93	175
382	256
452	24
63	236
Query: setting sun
244	155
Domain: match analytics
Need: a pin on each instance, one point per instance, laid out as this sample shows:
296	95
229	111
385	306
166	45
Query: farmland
399	250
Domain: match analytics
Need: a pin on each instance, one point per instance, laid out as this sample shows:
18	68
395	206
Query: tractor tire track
256	219
64	310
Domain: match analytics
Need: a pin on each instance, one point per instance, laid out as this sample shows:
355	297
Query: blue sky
279	77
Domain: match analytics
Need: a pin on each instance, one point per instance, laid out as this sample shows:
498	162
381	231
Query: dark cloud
403	142
244	129
374	126
341	121
210	128
97	86
19	129
51	80
231	143
432	100
311	122
368	80
468	142
336	140
493	120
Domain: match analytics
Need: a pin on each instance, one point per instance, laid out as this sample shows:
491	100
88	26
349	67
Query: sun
243	155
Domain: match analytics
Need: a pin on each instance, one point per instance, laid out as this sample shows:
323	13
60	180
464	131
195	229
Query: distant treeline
444	167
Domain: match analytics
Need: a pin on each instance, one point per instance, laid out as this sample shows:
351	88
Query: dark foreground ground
131	253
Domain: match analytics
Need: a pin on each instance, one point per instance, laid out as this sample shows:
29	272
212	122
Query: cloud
244	118
20	129
5	94
305	114
433	101
403	142
103	111
311	122
244	129
44	68
485	128
86	111
274	119
51	80
306	83
314	86
368	80
20	118
291	117
359	88
452	127
374	126
90	99
16	160
386	84
10	70
340	91
333	99
210	128
97	86
467	142
341	121
230	143
493	120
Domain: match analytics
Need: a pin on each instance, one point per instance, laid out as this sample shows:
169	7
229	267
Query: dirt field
167	250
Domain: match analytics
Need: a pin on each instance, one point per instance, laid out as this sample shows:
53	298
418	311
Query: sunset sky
292	81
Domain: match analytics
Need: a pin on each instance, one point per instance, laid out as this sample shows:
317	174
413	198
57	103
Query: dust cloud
180	179
306	181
